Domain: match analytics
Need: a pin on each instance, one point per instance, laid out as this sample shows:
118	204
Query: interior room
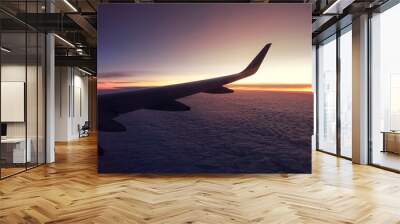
71	102
57	60
385	74
22	103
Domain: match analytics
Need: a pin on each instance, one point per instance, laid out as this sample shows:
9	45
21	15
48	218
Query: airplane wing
111	105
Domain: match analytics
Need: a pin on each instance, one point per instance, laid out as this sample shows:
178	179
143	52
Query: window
22	78
385	89
334	106
346	92
327	96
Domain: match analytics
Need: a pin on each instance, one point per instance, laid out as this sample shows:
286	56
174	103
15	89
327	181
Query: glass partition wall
13	89
334	105
327	95
345	108
385	89
22	99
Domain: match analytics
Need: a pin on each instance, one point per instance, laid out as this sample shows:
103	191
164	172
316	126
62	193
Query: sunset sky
161	44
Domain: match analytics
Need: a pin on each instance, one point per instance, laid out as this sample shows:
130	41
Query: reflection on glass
14	153
385	84
327	96
394	102
346	94
31	100
22	92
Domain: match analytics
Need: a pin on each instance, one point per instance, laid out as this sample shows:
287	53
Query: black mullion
45	94
317	96
26	86
37	90
369	89
45	89
338	81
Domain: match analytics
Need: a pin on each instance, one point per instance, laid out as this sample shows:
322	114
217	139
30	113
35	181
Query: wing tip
256	62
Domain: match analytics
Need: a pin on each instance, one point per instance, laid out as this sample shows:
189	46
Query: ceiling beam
86	26
76	61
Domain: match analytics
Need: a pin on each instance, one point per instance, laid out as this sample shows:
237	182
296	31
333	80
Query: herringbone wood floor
71	191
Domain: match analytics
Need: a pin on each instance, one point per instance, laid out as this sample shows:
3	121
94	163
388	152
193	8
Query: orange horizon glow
277	87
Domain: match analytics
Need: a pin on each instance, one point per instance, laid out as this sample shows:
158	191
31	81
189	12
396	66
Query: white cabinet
19	154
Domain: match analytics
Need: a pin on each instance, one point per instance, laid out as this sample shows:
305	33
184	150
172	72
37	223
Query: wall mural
204	88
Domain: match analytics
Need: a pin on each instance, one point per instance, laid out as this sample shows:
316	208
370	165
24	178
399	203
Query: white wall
17	73
79	103
62	82
71	102
33	126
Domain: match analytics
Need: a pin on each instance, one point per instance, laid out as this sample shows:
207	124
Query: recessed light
64	40
337	7
70	5
84	71
5	50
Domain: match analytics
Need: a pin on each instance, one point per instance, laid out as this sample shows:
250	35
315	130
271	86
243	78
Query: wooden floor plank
71	191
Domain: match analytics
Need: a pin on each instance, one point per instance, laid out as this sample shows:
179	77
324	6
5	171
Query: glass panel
385	84
41	98
23	90
346	94
327	96
32	88
31	98
13	88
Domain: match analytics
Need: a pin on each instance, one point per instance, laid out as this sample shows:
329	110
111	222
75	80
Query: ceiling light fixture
84	71
5	50
79	51
64	40
70	5
337	7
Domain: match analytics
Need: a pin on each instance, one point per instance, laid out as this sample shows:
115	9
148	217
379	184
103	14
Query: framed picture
204	88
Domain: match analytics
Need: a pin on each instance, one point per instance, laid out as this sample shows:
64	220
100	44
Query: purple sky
172	43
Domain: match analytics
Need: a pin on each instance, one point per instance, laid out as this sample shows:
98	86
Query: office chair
84	130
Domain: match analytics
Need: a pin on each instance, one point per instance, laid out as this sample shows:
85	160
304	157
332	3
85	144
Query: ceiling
75	21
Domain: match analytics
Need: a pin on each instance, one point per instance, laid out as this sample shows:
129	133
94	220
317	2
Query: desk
391	141
16	147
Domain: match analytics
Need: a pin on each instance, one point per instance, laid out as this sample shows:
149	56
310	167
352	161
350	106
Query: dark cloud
243	132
